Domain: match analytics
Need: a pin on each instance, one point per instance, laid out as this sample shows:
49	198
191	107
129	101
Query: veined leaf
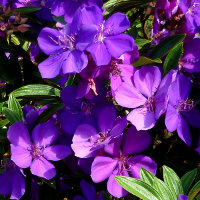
14	105
36	90
145	61
146	176
141	42
165	46
195	187
172	59
26	10
172	180
187	180
138	188
11	115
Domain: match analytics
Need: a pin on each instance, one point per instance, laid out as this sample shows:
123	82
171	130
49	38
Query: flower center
150	104
100	37
66	41
115	68
186	105
86	108
191	9
36	151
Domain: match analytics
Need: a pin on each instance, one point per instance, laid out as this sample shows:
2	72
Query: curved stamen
150	104
185	105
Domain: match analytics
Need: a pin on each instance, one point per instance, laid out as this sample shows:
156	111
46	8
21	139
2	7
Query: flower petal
18	186
116	24
56	152
183	131
44	134
127	95
75	62
43	168
139	161
18	135
102	168
147	80
6	182
99	53
88	190
135	141
113	187
171	118
20	156
142	119
48	41
182	197
119	44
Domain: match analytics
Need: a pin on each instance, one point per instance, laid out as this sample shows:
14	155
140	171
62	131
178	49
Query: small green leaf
138	188
49	112
187	180
36	90
11	115
146	176
163	190
145	61
14	105
172	180
141	42
165	46
26	10
196	186
4	122
173	58
194	194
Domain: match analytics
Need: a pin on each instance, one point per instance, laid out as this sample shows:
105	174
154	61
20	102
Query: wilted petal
75	62
18	135
147	80
20	156
126	95
99	53
44	134
139	161
56	152
102	168
171	118
106	118
18	186
135	141
142	119
113	187
43	168
116	24
183	130
119	44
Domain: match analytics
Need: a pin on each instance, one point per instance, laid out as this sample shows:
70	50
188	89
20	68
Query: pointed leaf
11	115
146	176
187	180
138	188
145	61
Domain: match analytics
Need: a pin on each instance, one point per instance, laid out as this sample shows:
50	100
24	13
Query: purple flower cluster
106	117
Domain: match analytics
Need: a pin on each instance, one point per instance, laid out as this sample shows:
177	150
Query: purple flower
190	61
121	163
25	153
180	109
182	197
76	110
3	3
89	139
88	191
12	181
140	94
69	7
66	48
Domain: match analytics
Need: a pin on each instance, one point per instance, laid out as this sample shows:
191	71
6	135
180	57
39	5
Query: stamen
186	105
100	36
115	68
150	104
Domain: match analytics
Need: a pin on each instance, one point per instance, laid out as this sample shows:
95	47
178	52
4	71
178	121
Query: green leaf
195	193
4	122
11	115
138	188
146	176
163	190
145	61
165	46
36	90
197	185
49	112
26	10
187	180
14	105
173	58
141	42
172	180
